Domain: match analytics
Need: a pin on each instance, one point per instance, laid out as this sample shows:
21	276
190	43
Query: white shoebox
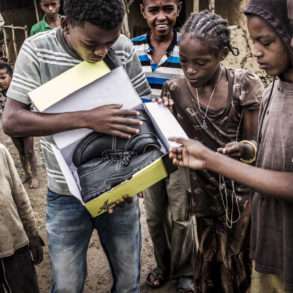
87	86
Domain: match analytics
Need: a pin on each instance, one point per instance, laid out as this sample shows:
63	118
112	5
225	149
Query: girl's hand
238	150
190	154
165	98
166	101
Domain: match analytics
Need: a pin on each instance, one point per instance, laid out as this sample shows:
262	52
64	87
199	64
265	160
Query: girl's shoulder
247	86
176	89
245	77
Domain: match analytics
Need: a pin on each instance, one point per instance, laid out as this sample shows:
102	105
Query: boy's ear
65	24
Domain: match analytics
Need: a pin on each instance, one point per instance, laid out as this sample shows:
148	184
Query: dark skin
201	67
91	43
5	79
268	48
24	145
51	10
161	16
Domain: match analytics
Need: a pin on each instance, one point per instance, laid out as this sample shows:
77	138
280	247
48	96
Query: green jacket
40	26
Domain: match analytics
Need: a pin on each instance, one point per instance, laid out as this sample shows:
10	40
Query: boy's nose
161	15
101	52
191	70
257	53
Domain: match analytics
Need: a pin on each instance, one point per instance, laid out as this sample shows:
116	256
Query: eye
153	10
200	62
266	42
169	9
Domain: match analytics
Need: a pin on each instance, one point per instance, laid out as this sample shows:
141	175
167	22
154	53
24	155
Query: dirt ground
99	278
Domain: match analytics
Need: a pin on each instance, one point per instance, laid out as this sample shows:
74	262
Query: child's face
199	64
89	41
270	52
5	79
160	15
50	7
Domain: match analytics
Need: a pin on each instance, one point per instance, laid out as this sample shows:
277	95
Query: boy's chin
162	33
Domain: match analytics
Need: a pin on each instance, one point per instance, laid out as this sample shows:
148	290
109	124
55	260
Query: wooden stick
25	31
36	10
6	45
195	5
14	41
212	5
15	27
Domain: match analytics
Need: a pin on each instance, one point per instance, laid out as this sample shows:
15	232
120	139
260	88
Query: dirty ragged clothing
222	263
223	126
17	222
272	219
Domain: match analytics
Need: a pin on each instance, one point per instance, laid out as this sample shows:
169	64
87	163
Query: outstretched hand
190	154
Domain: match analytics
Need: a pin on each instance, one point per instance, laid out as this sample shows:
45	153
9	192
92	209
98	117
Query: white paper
165	124
113	88
67	172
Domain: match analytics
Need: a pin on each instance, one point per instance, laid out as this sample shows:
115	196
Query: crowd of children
234	173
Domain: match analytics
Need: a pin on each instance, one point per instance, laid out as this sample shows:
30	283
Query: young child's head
50	7
269	29
205	42
5	76
160	15
92	26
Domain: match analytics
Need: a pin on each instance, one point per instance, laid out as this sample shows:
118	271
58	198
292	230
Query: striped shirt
158	73
47	55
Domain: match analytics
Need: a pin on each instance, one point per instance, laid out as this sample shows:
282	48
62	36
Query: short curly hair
107	14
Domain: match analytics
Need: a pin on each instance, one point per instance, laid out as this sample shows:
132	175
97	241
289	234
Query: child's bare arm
111	119
24	210
21	198
194	155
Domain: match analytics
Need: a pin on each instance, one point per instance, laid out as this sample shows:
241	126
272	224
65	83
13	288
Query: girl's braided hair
212	28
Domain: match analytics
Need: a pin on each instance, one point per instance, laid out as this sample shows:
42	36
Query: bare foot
34	183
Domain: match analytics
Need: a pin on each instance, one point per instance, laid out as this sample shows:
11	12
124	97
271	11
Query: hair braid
210	27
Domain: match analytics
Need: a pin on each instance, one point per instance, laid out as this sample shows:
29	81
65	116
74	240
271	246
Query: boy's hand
36	247
237	150
124	200
113	120
191	154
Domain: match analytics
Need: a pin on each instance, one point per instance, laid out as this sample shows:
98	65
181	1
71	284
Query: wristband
253	144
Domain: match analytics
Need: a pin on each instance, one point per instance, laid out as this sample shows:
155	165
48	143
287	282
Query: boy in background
5	79
20	243
51	18
166	202
24	145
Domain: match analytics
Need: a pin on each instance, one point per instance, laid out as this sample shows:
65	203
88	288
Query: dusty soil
99	278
